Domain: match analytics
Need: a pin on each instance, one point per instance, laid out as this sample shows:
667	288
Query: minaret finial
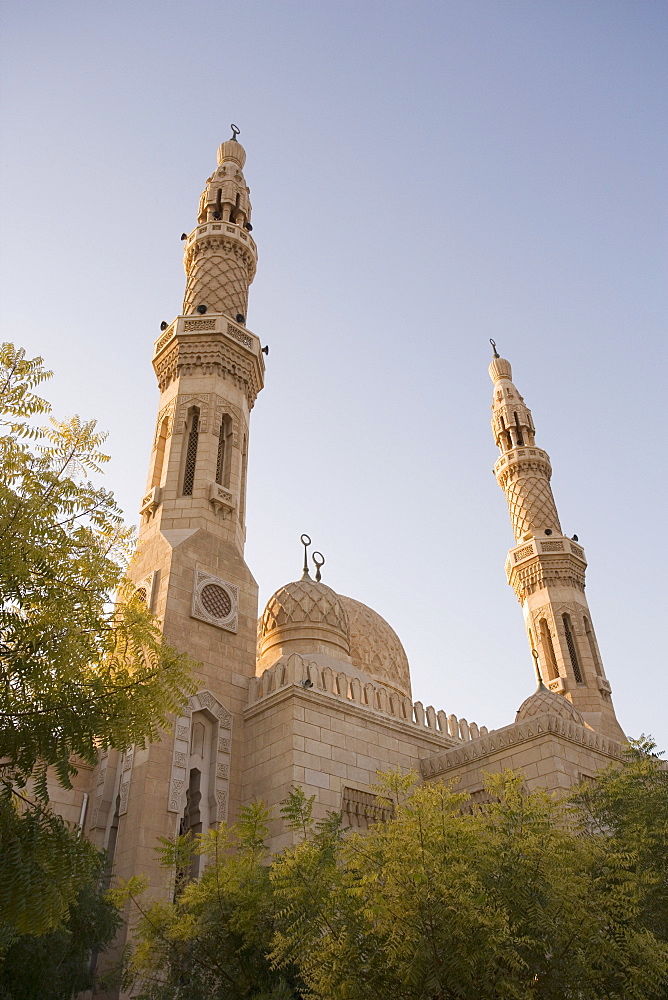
235	132
306	541
319	561
493	343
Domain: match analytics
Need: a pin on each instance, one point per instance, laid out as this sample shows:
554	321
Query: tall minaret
190	564
546	569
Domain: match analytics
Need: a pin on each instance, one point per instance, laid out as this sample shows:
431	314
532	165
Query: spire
523	471
546	569
220	255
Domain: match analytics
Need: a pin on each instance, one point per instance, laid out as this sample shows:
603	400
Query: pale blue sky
424	176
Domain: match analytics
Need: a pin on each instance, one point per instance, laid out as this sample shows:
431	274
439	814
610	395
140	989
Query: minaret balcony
228	346
151	501
222	229
522	455
212	233
544	546
214	323
222	499
542	561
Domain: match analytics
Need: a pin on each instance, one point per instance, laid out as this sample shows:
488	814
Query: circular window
215	600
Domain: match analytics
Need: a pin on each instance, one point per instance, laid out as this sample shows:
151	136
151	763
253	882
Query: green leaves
43	865
57	965
519	899
213	942
79	669
83	665
448	901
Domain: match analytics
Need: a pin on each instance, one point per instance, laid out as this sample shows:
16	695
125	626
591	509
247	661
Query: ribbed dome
232	150
500	368
543	701
375	647
307	613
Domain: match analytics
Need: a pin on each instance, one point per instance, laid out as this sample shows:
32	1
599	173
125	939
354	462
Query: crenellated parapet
301	674
499	742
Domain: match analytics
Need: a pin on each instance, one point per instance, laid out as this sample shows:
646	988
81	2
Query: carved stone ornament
166	413
188	400
126	774
202	701
215	601
124	794
220	408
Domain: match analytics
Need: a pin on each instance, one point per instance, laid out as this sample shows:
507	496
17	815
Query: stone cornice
521	732
212	345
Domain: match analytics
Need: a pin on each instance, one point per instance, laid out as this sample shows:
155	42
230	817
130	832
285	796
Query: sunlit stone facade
315	690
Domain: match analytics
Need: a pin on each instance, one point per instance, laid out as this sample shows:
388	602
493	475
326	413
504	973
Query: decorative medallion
215	601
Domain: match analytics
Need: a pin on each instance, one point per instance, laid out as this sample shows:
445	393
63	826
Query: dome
543	701
304	617
375	648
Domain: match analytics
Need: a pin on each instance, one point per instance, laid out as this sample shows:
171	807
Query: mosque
316	691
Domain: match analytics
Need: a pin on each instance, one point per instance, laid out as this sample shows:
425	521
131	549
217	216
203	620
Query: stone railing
311	676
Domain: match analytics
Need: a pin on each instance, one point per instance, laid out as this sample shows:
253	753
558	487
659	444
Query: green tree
449	902
627	807
56	966
82	662
213	941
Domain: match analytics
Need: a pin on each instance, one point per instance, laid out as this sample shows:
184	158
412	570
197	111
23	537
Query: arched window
572	649
591	639
160	453
191	452
224	457
548	649
190	826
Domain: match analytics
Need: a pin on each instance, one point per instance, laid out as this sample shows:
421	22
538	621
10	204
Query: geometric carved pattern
215	601
191	325
221	283
375	647
542	702
531	505
202	701
243	338
304	601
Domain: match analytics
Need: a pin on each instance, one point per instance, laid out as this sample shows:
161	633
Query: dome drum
303	638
